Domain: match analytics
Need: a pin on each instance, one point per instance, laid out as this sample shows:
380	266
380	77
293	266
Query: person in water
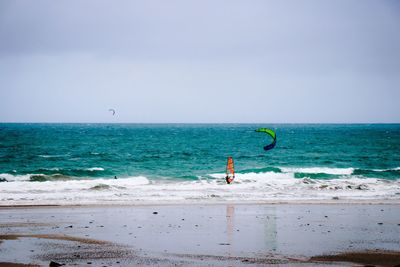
229	179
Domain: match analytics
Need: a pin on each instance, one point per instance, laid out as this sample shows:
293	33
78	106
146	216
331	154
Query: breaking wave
280	184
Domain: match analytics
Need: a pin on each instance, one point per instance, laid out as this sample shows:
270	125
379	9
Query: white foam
51	156
51	169
385	170
249	187
12	178
335	171
95	169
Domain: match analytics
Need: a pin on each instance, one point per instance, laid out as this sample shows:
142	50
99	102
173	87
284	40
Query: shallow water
223	230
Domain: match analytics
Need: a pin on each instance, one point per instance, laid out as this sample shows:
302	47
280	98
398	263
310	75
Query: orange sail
230	171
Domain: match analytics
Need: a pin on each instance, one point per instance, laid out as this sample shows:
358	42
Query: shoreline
201	234
205	203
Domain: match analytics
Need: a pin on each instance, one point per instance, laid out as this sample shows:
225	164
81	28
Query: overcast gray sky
200	61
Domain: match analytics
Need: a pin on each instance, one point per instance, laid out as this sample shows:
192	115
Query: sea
84	164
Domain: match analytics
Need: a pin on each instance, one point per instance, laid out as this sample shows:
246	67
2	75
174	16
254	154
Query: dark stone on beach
55	264
335	198
70	226
326	216
89	262
155	212
380	223
224	244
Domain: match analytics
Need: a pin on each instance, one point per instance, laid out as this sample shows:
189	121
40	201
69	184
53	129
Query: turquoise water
187	151
184	163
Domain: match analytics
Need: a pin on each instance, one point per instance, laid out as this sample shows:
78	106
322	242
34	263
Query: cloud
199	61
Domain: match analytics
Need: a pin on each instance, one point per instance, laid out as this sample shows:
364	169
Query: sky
200	61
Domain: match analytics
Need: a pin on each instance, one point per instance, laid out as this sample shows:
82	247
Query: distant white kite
112	110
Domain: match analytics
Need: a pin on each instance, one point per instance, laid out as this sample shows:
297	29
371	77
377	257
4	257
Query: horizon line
199	122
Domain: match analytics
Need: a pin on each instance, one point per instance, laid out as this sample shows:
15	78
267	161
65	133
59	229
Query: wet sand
202	235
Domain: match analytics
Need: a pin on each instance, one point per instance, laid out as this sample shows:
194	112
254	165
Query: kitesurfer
230	171
229	179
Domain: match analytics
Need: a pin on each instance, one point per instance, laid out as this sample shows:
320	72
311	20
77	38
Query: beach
155	195
199	133
306	234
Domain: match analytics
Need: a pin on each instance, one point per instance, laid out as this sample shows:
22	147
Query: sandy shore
202	235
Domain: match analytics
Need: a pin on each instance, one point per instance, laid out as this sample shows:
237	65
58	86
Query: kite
270	133
112	110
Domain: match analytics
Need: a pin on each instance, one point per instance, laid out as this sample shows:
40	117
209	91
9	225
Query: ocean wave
384	170
6	177
329	173
42	177
334	171
309	170
319	173
95	169
44	174
49	186
382	173
260	170
253	187
257	176
52	156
